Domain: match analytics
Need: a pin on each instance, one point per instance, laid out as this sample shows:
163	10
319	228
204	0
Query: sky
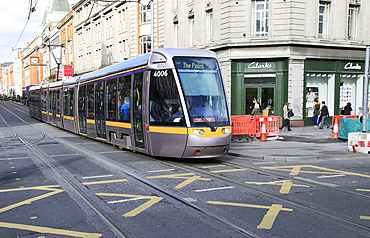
13	19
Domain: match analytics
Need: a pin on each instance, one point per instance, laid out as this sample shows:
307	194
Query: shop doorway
263	94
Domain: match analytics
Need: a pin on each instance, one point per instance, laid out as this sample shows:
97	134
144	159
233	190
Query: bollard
335	129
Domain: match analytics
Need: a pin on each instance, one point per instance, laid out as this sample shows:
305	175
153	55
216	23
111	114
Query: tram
168	103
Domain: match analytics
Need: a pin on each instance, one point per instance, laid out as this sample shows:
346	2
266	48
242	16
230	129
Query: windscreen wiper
192	109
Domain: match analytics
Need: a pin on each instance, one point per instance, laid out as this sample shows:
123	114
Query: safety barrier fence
339	118
253	125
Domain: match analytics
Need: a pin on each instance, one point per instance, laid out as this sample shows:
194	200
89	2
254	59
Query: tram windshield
203	91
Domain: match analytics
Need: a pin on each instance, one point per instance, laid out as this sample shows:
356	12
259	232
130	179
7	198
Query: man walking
324	114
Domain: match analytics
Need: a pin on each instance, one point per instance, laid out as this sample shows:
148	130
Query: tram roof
35	87
70	81
127	64
172	52
55	84
45	86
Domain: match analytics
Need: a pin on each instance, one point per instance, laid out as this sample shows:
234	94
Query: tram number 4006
160	73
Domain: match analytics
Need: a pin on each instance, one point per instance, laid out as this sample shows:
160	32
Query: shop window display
320	86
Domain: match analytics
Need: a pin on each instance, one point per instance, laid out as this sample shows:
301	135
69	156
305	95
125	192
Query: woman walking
286	117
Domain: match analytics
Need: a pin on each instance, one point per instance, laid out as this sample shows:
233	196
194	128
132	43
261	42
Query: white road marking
212	189
163	170
98	176
125	200
212	166
331	176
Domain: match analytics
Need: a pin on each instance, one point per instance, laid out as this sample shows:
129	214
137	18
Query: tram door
263	94
53	105
138	113
99	110
82	109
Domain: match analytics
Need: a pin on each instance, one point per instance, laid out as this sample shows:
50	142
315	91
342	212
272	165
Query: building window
209	26
109	29
352	22
109	54
122	20
324	9
122	50
145	44
145	13
260	17
98	32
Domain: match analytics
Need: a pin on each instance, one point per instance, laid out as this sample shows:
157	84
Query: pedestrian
316	112
256	108
324	114
286	117
347	109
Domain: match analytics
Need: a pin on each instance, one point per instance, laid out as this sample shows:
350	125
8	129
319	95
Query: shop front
264	80
335	82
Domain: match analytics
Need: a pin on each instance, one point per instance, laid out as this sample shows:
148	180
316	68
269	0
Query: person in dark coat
347	109
316	112
324	114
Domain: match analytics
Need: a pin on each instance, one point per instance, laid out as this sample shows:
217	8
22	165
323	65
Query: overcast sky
13	18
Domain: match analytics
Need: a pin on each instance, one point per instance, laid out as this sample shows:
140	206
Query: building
283	50
107	33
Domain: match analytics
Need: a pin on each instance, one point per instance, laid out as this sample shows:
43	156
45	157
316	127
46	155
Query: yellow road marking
152	200
105	181
269	218
182	176
296	169
285	186
365	217
228	170
364	190
48	230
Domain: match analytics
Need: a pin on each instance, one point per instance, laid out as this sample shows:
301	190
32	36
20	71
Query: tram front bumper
205	151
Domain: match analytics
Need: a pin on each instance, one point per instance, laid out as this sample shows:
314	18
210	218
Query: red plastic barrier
252	126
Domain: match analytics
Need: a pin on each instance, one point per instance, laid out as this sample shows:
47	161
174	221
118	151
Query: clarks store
336	83
265	80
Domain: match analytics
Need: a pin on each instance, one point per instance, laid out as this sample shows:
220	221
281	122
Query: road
57	184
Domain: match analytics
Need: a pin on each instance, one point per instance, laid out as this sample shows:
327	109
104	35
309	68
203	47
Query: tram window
111	100
57	101
51	98
123	94
90	101
43	101
164	100
68	102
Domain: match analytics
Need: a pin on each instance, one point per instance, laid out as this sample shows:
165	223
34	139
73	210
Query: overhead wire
30	11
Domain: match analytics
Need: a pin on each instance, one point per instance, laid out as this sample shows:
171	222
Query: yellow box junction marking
296	169
269	218
54	190
187	181
152	200
49	230
285	185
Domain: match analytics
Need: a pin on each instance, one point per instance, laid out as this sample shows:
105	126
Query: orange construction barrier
253	126
335	129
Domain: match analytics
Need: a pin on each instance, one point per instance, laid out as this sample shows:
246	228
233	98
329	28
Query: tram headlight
198	132
225	131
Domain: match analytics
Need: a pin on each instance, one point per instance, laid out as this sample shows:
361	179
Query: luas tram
170	102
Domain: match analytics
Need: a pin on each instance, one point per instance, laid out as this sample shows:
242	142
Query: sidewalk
302	143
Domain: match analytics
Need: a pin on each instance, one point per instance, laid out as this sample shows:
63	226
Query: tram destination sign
195	63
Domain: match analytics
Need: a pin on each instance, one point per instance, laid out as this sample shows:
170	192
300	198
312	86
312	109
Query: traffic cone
335	129
263	131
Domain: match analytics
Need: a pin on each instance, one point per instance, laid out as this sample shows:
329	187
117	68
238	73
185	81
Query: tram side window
57	101
68	102
43	101
164	100
111	100
123	94
90	101
51	98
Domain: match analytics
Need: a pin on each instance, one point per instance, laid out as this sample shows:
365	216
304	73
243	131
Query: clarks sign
350	65
258	65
